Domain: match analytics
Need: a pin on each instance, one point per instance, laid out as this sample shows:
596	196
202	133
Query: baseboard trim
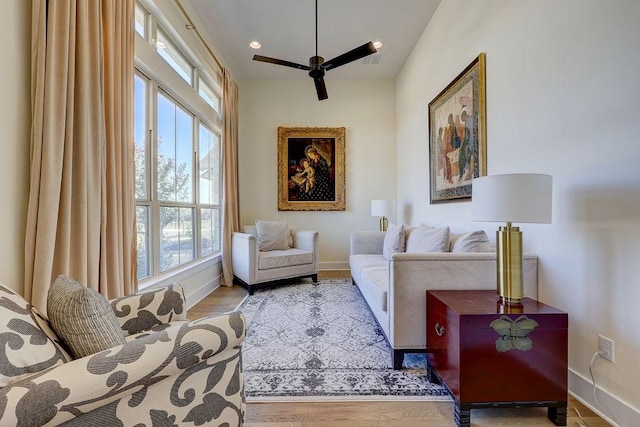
333	266
613	410
201	293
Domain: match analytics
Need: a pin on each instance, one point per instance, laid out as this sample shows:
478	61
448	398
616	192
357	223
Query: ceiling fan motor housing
315	62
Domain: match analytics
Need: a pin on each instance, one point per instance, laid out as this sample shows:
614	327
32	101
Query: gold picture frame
311	169
458	135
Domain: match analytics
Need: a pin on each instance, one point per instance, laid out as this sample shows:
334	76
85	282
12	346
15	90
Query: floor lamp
511	198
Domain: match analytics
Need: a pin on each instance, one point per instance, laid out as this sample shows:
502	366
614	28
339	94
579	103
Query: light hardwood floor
377	414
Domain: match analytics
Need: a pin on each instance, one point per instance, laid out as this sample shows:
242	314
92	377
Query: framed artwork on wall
311	169
457	135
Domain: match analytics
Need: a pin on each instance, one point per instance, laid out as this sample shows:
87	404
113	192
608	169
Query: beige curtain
230	194
81	214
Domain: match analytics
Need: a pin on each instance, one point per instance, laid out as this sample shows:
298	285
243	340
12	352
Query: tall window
177	155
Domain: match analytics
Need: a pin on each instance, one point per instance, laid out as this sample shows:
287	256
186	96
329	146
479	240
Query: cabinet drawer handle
440	330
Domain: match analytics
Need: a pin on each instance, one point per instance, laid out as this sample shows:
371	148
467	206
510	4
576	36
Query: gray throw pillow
272	235
82	318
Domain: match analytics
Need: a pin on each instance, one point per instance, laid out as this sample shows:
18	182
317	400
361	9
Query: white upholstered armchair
254	268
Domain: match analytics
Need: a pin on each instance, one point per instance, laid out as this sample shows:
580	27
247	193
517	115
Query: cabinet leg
431	375
462	415
557	415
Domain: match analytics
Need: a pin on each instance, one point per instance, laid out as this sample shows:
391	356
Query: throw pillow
474	241
250	229
26	344
428	239
82	318
393	240
272	235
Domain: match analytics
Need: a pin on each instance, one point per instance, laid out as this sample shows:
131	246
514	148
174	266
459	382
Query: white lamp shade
512	198
381	207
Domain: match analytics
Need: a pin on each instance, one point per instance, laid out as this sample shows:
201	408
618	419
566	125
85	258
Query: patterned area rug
320	341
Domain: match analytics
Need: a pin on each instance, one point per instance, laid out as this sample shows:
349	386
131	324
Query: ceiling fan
317	65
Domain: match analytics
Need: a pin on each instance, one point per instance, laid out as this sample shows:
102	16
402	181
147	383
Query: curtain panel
81	213
230	194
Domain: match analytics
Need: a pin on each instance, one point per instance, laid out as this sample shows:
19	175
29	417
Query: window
141	21
209	176
177	156
209	96
141	174
174	167
170	53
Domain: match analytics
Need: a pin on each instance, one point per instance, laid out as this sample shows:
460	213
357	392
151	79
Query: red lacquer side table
489	355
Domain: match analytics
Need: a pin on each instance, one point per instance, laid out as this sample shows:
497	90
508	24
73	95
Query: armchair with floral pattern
170	372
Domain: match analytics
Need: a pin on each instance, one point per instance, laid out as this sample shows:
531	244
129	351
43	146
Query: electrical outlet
606	348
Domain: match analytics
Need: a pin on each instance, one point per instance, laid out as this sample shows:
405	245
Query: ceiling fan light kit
317	66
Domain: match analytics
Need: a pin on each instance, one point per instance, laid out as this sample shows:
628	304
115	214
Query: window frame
161	78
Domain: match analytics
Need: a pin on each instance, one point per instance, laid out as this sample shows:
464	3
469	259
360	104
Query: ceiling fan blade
280	62
321	89
353	55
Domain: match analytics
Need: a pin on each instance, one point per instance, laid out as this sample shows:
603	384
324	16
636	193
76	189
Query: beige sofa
395	289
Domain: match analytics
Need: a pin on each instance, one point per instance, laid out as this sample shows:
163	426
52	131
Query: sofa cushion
474	241
360	262
287	258
428	239
378	286
393	240
371	274
82	318
272	235
27	344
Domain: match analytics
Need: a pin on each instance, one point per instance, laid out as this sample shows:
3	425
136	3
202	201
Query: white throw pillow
428	239
474	241
393	240
272	235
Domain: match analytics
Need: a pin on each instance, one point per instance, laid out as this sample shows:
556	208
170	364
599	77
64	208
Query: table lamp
511	198
383	209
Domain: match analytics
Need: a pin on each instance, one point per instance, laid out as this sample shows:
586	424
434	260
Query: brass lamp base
384	223
509	265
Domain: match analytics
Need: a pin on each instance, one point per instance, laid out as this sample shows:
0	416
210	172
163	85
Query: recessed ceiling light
377	44
255	45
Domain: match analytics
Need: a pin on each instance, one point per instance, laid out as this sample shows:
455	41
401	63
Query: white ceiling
286	30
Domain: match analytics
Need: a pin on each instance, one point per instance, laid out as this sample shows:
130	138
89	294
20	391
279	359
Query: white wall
365	108
15	122
562	99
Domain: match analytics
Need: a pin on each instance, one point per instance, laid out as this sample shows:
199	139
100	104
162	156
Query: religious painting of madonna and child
311	164
457	135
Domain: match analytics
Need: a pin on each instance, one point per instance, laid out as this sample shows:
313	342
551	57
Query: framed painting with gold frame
457	135
311	169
